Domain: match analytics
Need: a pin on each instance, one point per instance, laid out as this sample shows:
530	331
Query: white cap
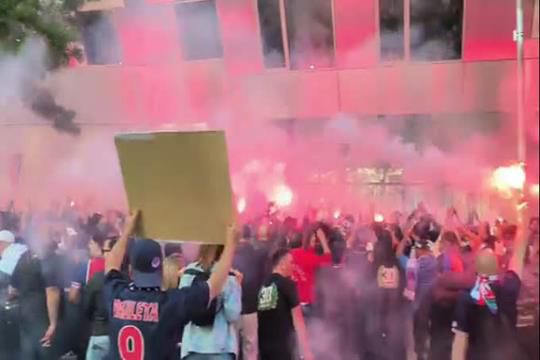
7	237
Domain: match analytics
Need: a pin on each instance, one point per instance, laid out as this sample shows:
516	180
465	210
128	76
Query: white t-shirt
10	258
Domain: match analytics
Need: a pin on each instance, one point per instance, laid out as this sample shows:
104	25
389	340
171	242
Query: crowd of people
83	286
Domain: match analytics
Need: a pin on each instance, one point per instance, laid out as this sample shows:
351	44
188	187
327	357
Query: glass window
271	33
101	44
199	30
436	29
391	21
310	31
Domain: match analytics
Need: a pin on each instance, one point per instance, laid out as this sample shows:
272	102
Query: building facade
155	62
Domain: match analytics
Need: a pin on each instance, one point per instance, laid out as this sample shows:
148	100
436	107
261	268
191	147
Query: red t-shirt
307	263
95	265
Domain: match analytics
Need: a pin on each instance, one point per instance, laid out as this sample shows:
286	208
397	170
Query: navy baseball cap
146	261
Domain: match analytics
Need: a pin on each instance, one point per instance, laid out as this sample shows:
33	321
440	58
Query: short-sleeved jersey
84	271
277	337
143	322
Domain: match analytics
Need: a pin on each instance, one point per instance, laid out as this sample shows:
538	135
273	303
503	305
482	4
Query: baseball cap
147	261
7	237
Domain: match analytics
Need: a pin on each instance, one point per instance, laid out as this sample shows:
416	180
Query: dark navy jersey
144	323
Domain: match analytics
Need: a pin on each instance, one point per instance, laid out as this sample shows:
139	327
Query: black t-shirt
277	337
143	323
31	277
490	336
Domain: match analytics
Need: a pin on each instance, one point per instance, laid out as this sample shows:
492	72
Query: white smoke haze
309	155
16	71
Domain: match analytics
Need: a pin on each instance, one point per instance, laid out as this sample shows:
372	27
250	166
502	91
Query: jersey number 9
130	343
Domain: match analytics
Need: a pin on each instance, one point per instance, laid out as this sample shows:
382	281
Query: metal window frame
285	36
407	35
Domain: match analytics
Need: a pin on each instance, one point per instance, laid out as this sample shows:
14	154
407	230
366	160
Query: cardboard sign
100	5
180	181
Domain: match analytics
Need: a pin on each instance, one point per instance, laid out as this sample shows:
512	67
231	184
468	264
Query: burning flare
282	195
508	178
241	205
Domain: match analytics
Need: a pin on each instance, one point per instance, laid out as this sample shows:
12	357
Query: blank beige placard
180	181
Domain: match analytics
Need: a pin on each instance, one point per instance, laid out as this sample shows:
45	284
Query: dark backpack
207	317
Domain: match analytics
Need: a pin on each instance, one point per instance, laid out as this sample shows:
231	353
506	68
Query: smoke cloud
339	162
22	75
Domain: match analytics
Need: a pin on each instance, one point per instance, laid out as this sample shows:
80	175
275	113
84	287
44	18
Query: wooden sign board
101	5
180	181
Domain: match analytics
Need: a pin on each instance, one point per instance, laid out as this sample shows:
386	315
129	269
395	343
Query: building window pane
101	45
199	30
271	33
310	32
391	24
436	29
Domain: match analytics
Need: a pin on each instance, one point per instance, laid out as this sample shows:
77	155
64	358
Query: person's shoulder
510	282
116	277
510	276
280	280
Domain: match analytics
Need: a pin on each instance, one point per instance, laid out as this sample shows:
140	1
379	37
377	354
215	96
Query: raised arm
219	276
324	241
460	345
116	256
402	245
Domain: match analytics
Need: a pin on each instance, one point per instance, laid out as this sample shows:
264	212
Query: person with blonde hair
172	266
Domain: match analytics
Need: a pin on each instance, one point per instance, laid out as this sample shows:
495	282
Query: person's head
173	249
422	247
146	260
337	249
108	245
486	263
290	224
508	235
247	233
345	225
490	242
171	272
263	232
383	252
449	240
312	240
282	262
96	245
6	238
209	255
295	240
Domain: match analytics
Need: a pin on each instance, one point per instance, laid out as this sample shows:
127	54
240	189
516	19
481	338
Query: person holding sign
142	317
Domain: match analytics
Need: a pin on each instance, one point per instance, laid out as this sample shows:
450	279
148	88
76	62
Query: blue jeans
98	348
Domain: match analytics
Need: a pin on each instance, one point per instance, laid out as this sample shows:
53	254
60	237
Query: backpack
207	317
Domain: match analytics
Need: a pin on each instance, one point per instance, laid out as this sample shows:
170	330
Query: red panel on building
240	36
356	26
488	30
148	34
